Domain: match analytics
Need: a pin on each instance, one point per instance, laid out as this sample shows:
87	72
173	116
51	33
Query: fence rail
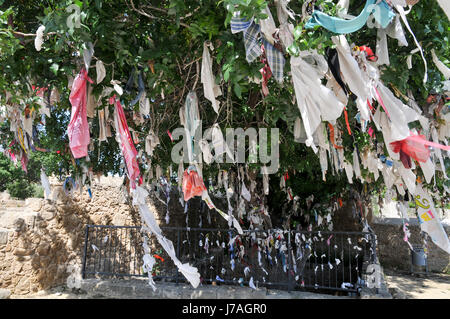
273	258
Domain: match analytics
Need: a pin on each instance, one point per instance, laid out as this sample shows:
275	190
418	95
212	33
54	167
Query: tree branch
152	16
30	34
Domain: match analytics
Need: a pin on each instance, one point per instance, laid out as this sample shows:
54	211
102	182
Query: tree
18	183
163	40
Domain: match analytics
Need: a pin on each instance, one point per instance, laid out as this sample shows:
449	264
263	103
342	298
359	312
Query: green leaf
297	32
226	75
54	68
293	49
237	90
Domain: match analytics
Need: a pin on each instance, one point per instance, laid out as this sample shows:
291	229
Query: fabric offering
315	101
39	40
102	125
210	88
45	184
429	219
382	12
190	119
445	5
251	35
413	148
353	75
90	104
188	271
144	105
125	141
101	71
192	183
78	129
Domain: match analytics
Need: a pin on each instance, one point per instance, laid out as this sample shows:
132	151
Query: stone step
4	293
138	288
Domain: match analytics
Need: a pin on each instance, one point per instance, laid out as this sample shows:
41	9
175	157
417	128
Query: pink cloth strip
380	100
78	128
127	146
417	139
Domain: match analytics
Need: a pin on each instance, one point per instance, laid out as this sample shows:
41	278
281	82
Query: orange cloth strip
332	137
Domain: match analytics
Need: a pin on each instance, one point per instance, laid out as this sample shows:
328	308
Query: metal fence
272	258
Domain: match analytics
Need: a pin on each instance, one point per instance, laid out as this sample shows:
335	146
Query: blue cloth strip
251	43
382	12
239	24
275	59
251	36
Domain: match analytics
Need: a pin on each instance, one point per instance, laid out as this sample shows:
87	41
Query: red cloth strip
346	121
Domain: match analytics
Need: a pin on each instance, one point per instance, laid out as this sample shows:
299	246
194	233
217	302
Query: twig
152	16
166	12
197	76
184	86
184	68
30	34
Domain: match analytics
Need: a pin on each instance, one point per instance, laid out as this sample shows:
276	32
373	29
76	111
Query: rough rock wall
394	253
41	241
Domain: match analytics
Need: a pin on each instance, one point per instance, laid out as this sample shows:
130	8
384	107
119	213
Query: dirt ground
401	286
418	286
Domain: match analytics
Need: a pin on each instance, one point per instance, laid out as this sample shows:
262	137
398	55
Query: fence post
375	257
178	254
83	271
289	248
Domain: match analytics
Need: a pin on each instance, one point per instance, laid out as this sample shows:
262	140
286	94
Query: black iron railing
273	258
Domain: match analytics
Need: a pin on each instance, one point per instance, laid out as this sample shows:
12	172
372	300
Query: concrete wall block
204	292
4	293
241	293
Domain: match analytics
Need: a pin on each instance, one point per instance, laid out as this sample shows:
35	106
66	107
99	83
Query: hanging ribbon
383	15
332	137
21	139
24	162
265	72
369	53
411	147
126	143
421	139
380	100
192	183
333	64
78	128
372	109
170	135
346	121
405	21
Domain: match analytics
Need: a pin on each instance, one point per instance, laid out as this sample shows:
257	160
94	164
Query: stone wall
395	254
41	241
392	251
